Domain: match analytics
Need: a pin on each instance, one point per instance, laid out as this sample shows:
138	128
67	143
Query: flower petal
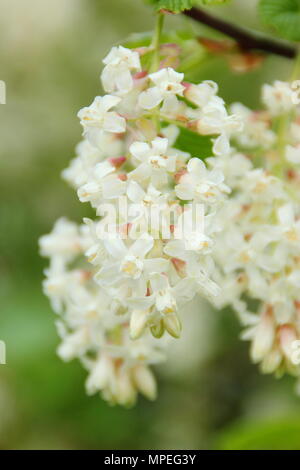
150	98
114	123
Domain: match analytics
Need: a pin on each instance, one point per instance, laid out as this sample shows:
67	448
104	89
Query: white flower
233	166
98	117
154	161
74	344
87	156
221	145
256	130
64	240
80	167
202	93
160	307
56	285
167	85
116	75
102	184
200	184
278	97
117	293
213	118
149	206
129	262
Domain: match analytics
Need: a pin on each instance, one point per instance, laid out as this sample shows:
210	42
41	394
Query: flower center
132	266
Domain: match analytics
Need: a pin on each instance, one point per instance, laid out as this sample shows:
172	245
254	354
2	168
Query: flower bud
172	325
287	336
138	322
145	381
271	361
126	394
264	337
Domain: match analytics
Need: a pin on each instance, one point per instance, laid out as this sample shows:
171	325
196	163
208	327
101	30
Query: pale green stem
164	119
155	45
296	69
155	60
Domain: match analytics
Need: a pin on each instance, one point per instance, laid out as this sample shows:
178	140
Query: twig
246	39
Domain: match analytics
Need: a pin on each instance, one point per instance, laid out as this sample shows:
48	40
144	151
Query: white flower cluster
257	251
119	297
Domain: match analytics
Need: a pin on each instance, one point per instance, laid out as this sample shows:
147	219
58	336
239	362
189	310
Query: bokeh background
210	396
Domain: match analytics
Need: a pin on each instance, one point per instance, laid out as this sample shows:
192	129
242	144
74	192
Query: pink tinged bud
119	135
287	336
145	381
291	174
182	118
264	336
85	275
194	125
179	265
190	91
139	75
179	174
117	162
122	177
186	85
124	229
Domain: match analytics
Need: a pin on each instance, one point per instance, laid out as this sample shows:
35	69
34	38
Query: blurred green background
210	396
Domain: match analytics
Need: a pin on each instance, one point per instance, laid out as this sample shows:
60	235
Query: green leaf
176	6
283	16
272	434
214	2
199	146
